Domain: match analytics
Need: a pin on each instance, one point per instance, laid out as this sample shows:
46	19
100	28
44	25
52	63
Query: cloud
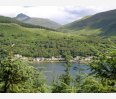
79	11
27	6
60	14
75	13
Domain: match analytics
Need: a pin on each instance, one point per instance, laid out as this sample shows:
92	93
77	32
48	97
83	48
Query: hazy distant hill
37	21
104	23
4	19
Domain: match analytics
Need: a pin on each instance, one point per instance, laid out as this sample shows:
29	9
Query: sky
60	14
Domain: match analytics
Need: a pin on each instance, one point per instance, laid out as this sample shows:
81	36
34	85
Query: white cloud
60	14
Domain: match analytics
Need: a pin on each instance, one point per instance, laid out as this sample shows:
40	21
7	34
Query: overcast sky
61	14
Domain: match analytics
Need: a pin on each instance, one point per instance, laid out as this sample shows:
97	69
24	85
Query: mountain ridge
105	21
37	21
5	19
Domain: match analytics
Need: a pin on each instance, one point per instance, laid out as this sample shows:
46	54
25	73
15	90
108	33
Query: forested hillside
36	42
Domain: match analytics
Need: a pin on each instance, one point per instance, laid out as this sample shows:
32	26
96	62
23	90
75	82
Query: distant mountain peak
37	21
22	16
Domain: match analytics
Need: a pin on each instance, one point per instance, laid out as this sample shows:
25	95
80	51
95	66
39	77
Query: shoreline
53	59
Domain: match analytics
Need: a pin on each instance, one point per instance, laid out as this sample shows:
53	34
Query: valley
80	54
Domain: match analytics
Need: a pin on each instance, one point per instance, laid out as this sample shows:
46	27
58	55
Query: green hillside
105	22
93	36
37	21
4	19
35	42
38	41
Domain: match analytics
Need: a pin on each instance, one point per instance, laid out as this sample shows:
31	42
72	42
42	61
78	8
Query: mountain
37	21
103	23
36	41
4	19
22	17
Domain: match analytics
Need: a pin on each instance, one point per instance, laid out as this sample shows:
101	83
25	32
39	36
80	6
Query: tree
18	76
92	85
65	80
13	72
104	68
104	65
80	75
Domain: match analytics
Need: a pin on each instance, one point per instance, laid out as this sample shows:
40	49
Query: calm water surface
54	69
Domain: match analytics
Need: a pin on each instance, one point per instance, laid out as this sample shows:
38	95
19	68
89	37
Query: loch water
52	70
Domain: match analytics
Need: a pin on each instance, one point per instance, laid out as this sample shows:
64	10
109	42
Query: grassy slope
42	22
105	22
4	19
37	21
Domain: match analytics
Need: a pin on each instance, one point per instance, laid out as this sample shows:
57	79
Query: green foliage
61	87
104	68
65	80
91	85
45	43
18	76
105	65
3	54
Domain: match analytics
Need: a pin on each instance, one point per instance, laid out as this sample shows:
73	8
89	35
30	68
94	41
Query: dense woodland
17	76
